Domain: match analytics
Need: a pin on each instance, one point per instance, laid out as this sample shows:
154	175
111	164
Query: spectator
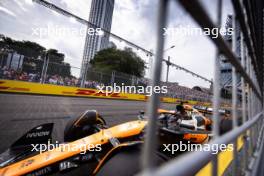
174	90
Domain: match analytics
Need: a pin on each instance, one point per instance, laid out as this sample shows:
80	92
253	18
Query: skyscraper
101	15
225	66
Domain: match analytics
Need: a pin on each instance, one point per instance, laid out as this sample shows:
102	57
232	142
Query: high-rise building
225	66
101	15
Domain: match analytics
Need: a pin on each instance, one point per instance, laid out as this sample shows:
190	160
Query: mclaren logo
38	134
44	171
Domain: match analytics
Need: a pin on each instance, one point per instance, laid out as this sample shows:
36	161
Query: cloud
21	6
78	7
134	20
9	12
28	2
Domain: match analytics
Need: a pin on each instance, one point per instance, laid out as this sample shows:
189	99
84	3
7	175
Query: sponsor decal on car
38	134
43	171
27	163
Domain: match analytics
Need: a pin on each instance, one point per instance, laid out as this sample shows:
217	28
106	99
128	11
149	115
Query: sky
134	20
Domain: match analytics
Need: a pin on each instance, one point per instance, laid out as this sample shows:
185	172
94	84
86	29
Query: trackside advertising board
49	89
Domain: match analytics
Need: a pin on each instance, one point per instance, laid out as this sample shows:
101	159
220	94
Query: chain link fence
44	70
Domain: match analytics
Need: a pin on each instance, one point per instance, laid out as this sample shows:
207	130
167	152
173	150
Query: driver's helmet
180	108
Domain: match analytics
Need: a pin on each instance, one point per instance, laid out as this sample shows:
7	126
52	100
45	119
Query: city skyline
132	20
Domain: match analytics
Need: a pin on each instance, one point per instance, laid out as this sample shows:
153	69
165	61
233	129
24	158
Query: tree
32	51
57	64
26	48
126	61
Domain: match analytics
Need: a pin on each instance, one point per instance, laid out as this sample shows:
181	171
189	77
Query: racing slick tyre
83	125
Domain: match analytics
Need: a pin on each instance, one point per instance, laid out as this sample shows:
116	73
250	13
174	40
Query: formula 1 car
225	117
91	148
209	110
192	119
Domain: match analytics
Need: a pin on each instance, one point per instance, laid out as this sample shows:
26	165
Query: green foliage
26	48
32	51
125	61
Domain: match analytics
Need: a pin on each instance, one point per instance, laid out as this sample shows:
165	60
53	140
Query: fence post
244	118
234	94
43	72
151	138
168	68
112	78
216	92
101	77
2	59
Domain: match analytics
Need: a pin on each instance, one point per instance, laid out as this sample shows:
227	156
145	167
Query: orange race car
192	118
91	148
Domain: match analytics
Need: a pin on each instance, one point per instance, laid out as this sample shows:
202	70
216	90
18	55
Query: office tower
101	15
225	66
